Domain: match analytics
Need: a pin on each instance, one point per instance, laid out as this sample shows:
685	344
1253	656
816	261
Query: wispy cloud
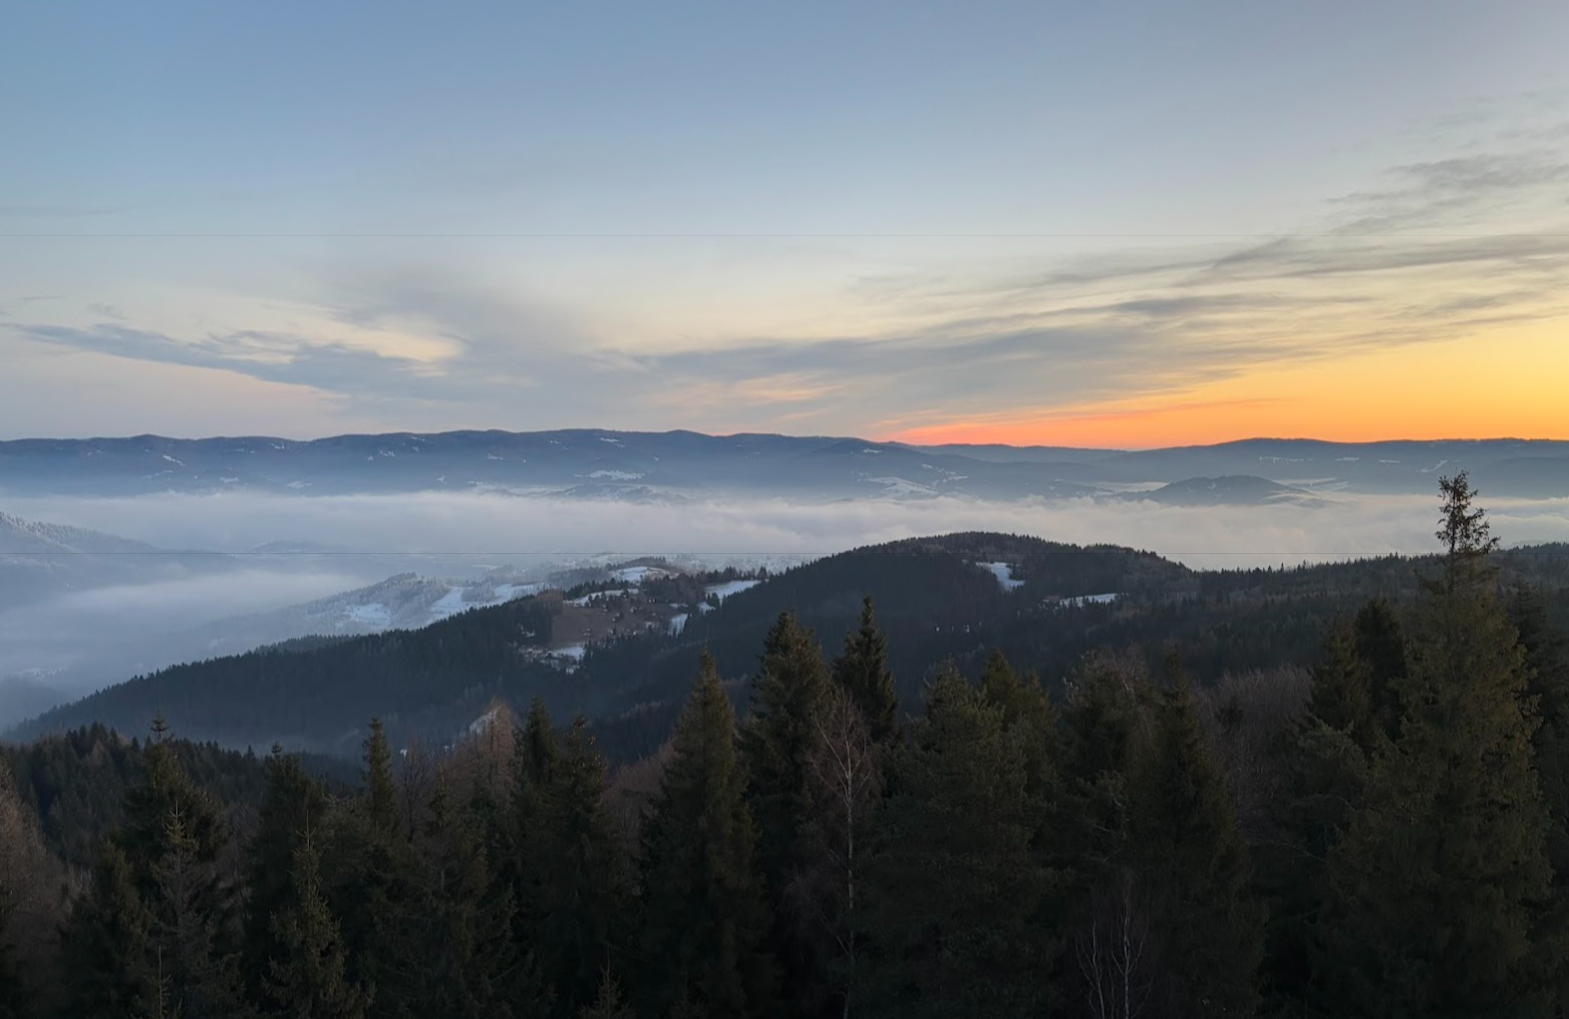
1427	252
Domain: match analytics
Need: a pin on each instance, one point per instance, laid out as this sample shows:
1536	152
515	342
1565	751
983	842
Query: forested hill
954	596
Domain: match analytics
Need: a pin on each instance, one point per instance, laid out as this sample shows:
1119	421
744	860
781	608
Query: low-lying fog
85	638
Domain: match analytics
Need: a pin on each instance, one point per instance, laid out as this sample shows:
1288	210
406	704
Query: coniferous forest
1381	833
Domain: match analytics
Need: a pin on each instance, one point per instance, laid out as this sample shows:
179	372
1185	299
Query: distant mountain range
674	466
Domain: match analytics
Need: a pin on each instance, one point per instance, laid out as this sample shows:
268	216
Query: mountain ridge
682	465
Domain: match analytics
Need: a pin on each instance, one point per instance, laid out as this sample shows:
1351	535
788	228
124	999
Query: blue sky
301	219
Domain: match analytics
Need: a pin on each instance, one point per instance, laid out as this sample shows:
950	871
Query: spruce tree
165	790
372	885
1325	769
789	696
1433	890
1342	687
306	977
951	883
1381	643
106	944
1191	867
199	972
1029	717
862	671
467	958
1547	665
583	873
381	796
534	759
703	912
292	804
607	1001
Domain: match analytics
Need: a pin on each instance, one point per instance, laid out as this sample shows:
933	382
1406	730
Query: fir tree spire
292	803
381	796
306	976
1434	890
862	670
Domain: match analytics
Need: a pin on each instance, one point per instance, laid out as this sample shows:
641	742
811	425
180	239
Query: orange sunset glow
1444	390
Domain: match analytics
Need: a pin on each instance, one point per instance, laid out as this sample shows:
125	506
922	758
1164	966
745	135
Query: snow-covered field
1004	574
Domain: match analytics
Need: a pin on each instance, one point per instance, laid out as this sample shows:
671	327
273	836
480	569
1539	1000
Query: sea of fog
363	539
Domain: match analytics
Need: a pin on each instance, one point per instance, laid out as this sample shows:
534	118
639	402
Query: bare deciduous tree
33	884
1113	951
416	779
846	776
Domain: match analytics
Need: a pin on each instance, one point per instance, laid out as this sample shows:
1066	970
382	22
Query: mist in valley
292	550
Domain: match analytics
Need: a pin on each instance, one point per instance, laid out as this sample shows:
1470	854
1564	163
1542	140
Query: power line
199	235
1120	550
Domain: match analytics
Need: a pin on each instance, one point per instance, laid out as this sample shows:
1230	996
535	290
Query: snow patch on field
901	486
1004	574
723	591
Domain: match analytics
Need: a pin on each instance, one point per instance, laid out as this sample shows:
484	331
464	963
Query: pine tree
1433	890
951	884
704	917
106	945
292	804
1191	870
862	671
583	873
306	976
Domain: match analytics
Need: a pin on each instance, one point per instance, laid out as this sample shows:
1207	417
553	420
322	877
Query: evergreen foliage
952	884
1434	889
1192	872
1384	835
704	916
789	697
862	671
584	875
306	977
292	806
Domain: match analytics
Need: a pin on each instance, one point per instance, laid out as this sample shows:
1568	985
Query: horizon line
786	435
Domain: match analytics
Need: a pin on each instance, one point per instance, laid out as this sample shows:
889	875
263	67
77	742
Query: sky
1112	225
